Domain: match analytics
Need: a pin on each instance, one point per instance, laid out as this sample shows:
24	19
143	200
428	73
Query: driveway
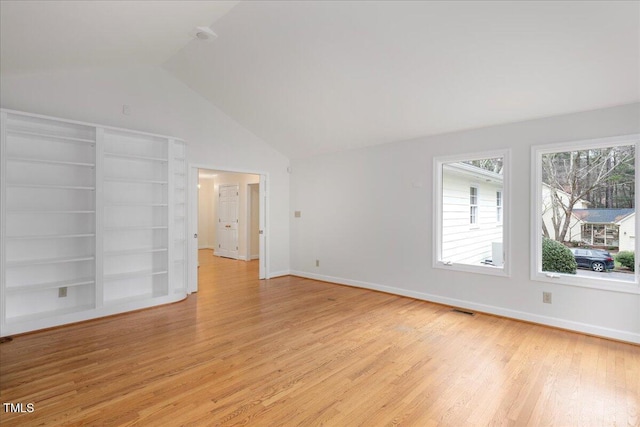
610	275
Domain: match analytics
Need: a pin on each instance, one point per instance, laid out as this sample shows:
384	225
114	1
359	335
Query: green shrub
627	259
557	257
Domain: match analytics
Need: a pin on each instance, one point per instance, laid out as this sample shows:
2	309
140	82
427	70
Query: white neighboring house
472	209
628	232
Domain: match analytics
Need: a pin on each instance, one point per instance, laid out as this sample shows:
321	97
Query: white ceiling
313	77
50	34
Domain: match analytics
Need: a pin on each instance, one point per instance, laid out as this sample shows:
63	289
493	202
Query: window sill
468	268
603	284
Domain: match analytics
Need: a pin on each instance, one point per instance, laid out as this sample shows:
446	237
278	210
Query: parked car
595	259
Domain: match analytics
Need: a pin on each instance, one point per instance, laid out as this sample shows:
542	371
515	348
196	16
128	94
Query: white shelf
49	186
143	205
45	212
51	236
62	138
49	162
135	157
132	274
136	181
14	290
130	299
136	227
51	313
42	261
135	251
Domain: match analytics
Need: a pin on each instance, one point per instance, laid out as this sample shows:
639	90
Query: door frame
248	222
192	223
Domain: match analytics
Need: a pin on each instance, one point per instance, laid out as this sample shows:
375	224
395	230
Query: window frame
536	273
438	163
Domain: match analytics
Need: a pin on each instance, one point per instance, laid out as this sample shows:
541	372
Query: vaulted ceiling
312	77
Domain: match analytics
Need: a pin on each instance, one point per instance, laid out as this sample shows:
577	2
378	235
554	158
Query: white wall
159	103
367	214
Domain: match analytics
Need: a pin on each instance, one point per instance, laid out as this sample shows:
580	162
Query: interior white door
262	272
192	213
228	203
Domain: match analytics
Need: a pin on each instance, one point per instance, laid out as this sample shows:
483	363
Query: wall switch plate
317	263
546	297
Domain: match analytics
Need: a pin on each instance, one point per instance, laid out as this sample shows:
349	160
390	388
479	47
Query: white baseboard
241	257
216	253
489	309
279	274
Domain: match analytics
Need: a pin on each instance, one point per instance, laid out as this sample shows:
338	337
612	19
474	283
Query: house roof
471	170
602	215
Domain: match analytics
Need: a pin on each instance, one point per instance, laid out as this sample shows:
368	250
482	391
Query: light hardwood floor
292	351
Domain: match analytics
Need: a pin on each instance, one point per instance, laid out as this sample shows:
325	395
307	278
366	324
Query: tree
594	175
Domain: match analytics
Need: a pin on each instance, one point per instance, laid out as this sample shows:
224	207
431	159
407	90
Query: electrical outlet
317	263
546	297
62	292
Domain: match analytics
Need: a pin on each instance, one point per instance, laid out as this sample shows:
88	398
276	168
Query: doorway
227	219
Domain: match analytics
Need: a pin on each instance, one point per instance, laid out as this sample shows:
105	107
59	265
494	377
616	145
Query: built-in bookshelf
92	221
136	241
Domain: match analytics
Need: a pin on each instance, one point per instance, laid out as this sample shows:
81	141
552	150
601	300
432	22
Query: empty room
304	213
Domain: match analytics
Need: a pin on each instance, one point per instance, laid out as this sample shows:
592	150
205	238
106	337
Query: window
584	211
465	191
499	207
473	205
